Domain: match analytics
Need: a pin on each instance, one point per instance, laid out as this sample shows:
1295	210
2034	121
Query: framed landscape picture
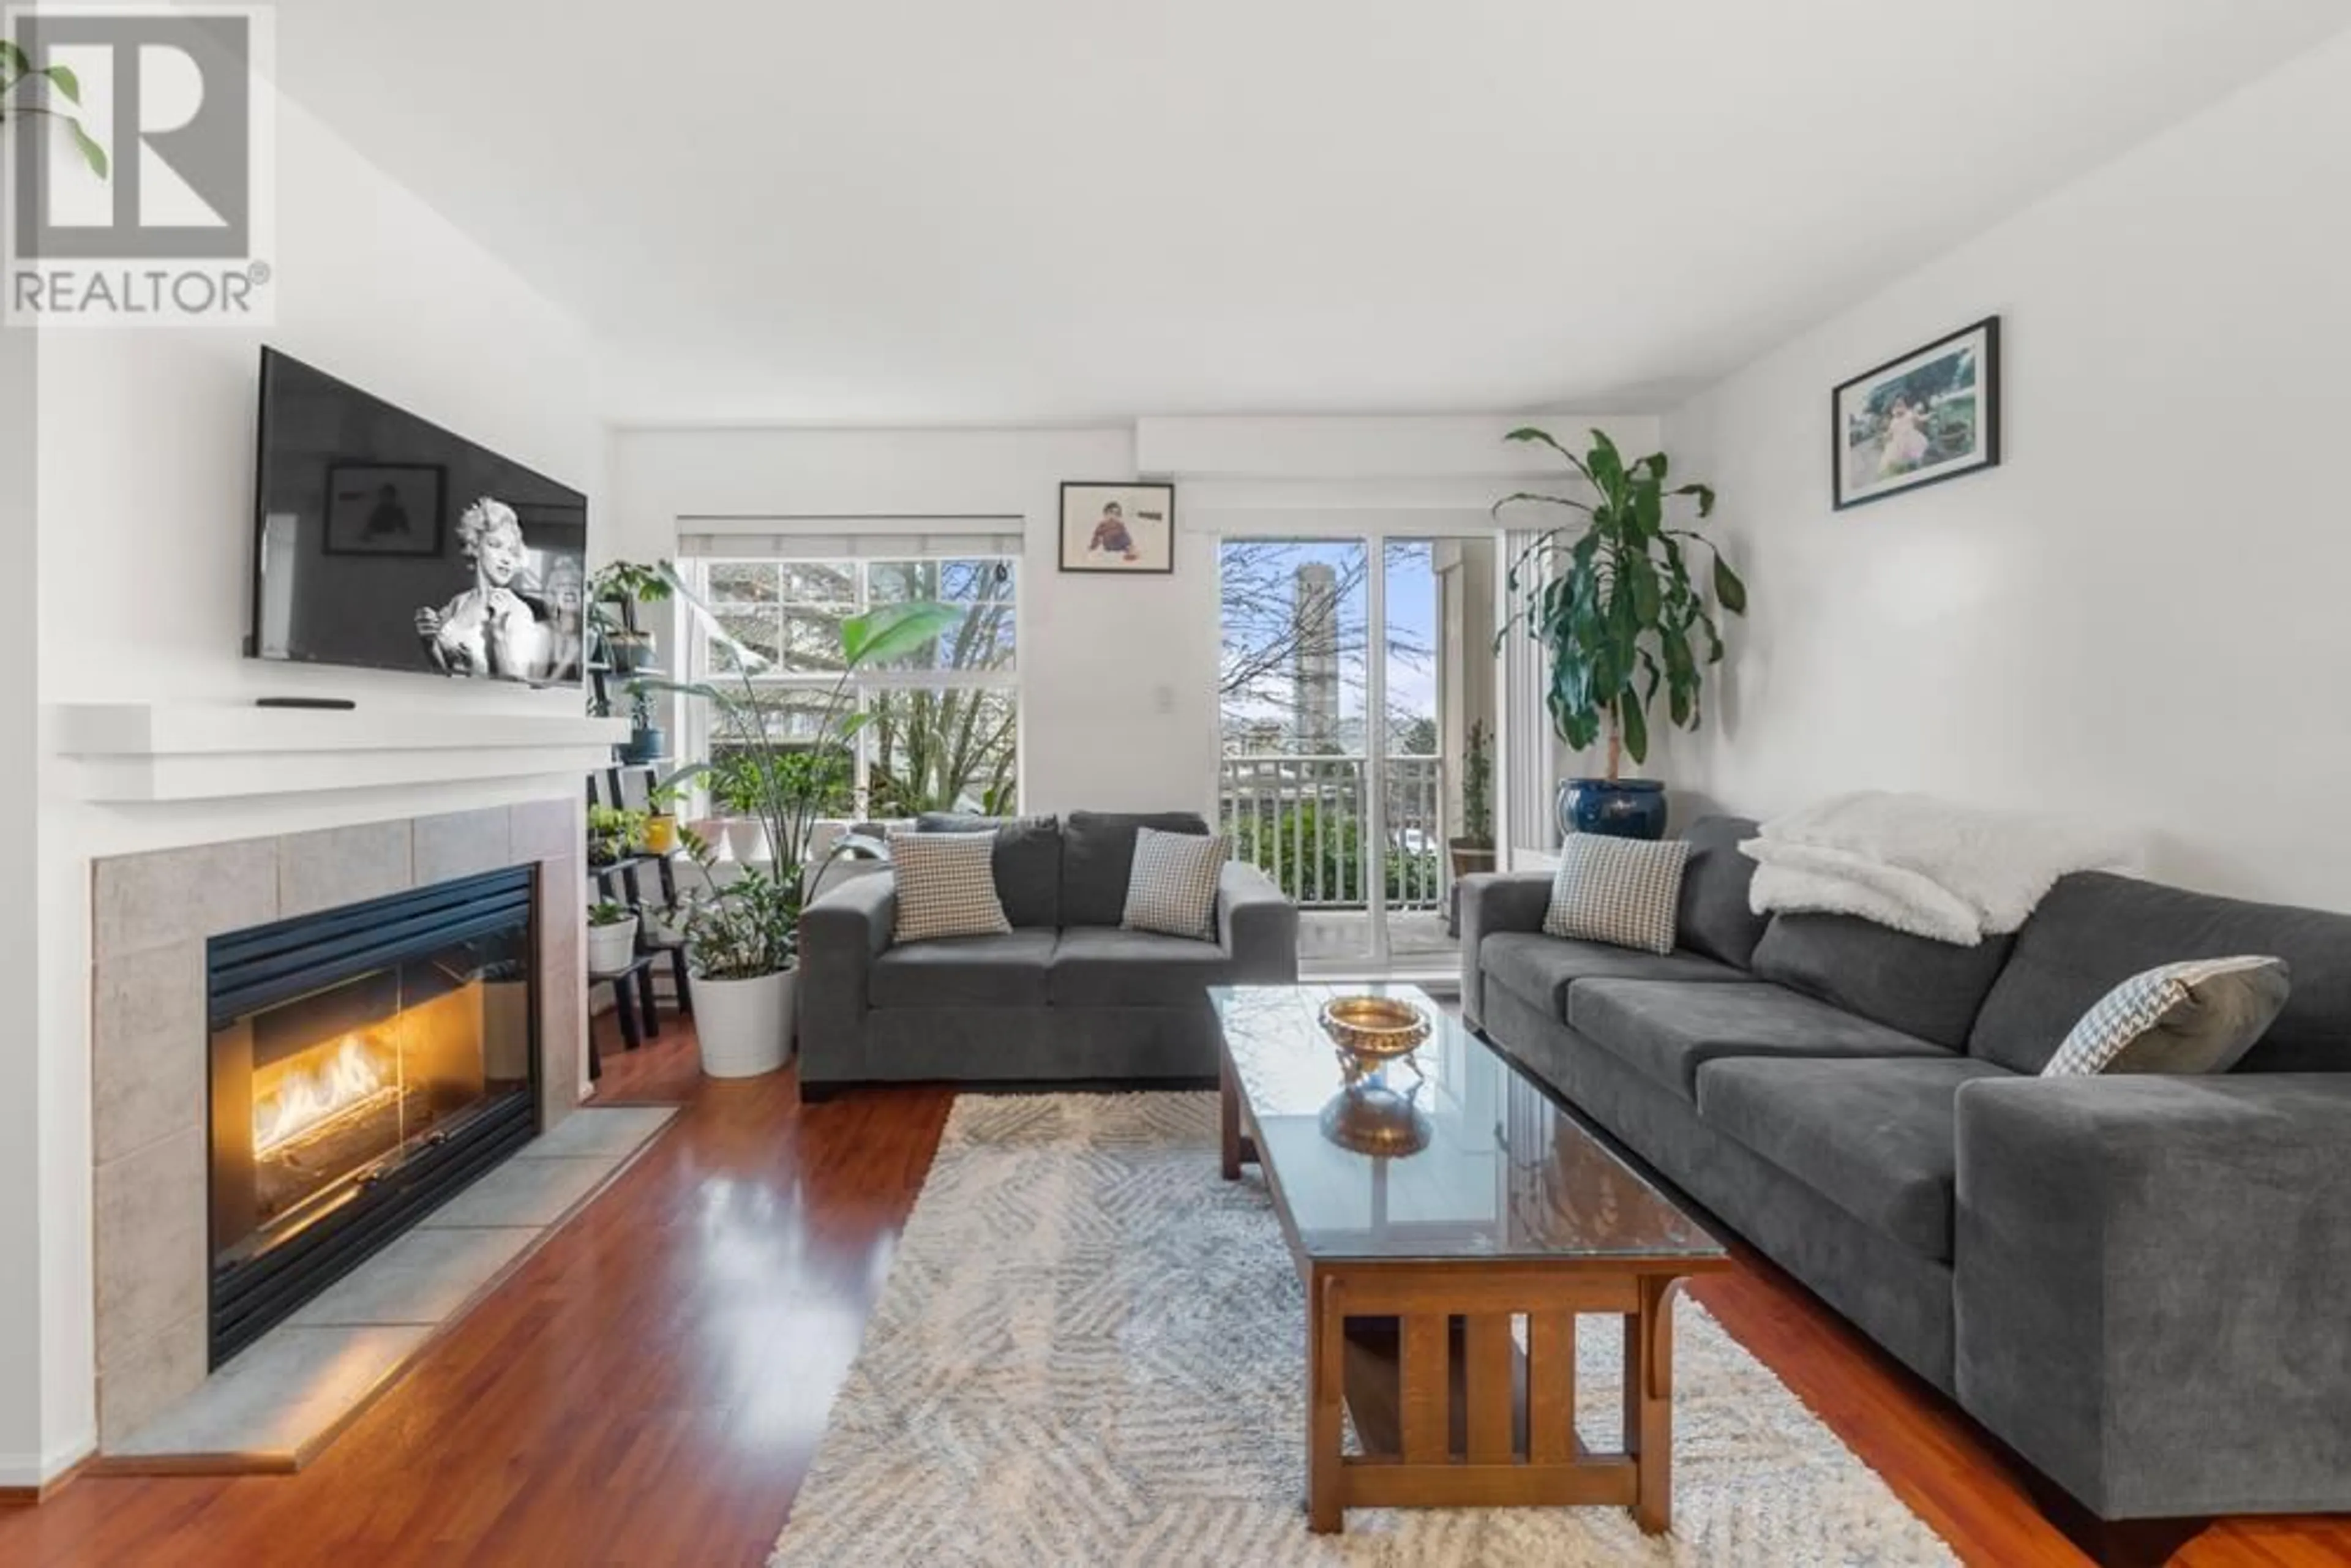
383	508
1932	415
1118	527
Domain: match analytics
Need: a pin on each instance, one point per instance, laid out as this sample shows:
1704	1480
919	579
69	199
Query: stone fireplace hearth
151	1057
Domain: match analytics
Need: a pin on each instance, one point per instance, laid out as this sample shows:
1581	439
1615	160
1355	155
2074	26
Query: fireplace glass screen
363	1065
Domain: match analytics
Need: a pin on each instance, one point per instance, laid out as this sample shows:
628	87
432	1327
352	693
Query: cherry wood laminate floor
650	1386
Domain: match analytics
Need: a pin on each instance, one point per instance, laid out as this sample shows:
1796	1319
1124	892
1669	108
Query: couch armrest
1492	901
1257	926
2152	1279
848	926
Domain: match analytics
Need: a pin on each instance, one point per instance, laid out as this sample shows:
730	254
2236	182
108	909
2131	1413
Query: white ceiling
1030	211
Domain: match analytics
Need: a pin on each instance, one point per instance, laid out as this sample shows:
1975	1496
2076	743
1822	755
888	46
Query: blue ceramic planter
1626	809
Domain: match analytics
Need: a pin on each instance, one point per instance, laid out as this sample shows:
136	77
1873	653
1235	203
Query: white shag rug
1090	1349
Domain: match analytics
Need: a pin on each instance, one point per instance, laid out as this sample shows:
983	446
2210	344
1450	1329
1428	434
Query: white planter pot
744	1026
746	838
610	948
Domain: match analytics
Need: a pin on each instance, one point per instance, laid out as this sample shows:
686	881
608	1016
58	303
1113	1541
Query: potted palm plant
742	939
1613	602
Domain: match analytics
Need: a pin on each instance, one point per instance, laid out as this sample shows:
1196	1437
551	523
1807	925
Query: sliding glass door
1357	689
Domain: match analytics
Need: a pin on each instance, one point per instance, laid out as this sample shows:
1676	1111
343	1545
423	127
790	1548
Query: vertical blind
1527	790
848	539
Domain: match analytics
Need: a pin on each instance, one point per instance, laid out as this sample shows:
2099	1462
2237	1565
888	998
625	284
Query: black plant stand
621	785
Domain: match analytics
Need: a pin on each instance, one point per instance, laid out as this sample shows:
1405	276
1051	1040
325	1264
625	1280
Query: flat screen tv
383	541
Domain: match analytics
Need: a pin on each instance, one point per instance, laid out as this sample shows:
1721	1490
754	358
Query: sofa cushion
1931	989
1006	971
2096	930
946	887
1876	1138
1028	861
1538	969
1094	967
1668	1029
2199	1016
1171	888
1098	855
1624	892
1716	918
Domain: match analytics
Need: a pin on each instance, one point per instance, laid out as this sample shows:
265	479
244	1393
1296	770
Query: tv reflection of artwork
383	508
1932	414
386	542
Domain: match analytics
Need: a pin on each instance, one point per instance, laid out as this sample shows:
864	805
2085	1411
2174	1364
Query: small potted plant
665	924
612	937
1473	850
613	834
738	791
625	647
647	742
662	830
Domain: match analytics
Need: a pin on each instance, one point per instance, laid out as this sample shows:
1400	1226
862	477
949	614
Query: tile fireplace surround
151	915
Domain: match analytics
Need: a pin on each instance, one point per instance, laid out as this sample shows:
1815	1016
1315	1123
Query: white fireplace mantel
132	752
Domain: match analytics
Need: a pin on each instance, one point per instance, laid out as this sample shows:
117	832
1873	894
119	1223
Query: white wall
145	496
2140	614
22	1194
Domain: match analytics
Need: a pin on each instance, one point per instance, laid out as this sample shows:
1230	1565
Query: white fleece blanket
1934	868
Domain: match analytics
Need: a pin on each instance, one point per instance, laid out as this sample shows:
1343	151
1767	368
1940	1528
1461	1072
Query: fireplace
366	1063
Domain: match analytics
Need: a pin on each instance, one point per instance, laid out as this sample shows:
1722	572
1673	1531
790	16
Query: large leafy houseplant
1611	599
750	926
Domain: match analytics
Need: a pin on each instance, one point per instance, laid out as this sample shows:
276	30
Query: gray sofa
1066	997
2142	1284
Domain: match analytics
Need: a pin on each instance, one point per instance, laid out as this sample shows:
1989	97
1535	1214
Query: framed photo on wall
383	508
1930	415
1118	527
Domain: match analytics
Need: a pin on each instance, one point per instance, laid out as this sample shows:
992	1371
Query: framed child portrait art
1932	414
1118	527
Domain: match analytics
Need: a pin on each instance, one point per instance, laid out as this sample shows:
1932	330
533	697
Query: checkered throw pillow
2196	1017
1173	887
1623	892
946	885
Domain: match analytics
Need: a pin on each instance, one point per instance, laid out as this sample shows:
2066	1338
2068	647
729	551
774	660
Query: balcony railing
1302	820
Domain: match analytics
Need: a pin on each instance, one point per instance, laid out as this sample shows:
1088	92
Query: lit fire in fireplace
311	1092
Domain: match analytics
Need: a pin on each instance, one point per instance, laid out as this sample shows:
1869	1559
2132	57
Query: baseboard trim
35	1493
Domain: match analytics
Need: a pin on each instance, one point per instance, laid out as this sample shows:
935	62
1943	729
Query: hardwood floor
650	1386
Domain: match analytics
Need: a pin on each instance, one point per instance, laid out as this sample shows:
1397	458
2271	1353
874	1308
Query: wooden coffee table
1432	1212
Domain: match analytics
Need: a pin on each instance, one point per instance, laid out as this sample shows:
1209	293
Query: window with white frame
943	724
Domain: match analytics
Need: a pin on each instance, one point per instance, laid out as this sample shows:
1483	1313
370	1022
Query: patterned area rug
1090	1349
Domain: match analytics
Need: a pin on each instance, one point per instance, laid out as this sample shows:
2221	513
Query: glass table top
1450	1152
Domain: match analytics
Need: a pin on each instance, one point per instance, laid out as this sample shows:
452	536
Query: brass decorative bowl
1378	1028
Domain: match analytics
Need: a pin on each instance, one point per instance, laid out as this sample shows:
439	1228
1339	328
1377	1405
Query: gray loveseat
1066	997
2142	1284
